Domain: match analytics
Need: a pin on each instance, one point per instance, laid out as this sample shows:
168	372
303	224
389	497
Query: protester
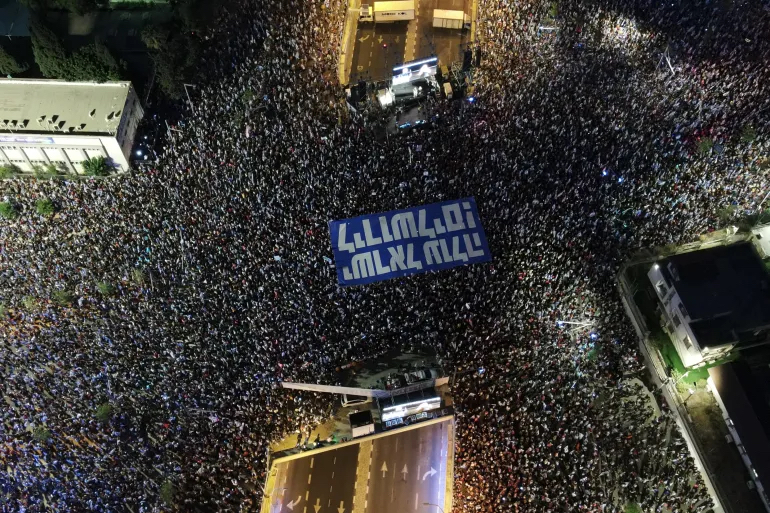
579	152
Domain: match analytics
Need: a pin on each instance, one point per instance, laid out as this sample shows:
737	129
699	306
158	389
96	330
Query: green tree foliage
705	145
138	276
175	62
41	434
725	215
156	36
8	210
749	134
105	289
44	207
29	302
96	166
8	171
93	62
62	297
9	65
50	55
104	412
167	492
3	310
632	507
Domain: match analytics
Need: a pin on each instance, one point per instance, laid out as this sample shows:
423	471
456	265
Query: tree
138	276
92	62
44	207
174	63
41	434
105	289
725	215
3	310
29	302
104	412
8	210
9	65
749	134
8	171
155	36
62	297
167	492
705	145
50	55
632	507
96	166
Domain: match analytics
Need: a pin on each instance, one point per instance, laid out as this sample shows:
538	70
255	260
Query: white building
64	123
762	240
713	300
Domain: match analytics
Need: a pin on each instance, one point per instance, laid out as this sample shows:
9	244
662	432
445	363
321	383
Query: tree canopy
93	62
9	65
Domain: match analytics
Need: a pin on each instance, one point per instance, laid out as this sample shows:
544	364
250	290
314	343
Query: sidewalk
662	381
347	42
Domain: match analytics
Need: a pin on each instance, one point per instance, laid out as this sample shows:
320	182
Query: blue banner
402	242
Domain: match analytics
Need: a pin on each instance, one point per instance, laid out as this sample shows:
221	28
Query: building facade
712	301
54	122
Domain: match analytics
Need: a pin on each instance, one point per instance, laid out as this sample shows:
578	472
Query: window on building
683	310
677	321
662	289
687	342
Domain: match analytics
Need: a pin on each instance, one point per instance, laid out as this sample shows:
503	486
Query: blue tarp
403	242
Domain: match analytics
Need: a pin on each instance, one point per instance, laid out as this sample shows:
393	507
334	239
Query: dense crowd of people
193	285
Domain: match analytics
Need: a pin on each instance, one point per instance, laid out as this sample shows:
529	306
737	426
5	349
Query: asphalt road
372	61
321	483
407	470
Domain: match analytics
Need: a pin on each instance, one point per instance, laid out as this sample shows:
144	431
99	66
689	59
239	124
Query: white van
366	13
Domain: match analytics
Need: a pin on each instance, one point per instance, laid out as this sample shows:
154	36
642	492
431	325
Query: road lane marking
312	460
418	473
415	500
307	494
309	477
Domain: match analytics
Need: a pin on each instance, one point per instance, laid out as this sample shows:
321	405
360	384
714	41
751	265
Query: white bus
385	12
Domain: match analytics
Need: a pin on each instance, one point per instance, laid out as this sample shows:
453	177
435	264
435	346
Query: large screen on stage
402	242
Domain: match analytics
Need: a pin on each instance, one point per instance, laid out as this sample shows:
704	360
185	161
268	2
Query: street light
431	504
691	392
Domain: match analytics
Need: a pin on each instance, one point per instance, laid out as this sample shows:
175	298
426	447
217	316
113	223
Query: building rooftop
726	291
744	392
41	106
